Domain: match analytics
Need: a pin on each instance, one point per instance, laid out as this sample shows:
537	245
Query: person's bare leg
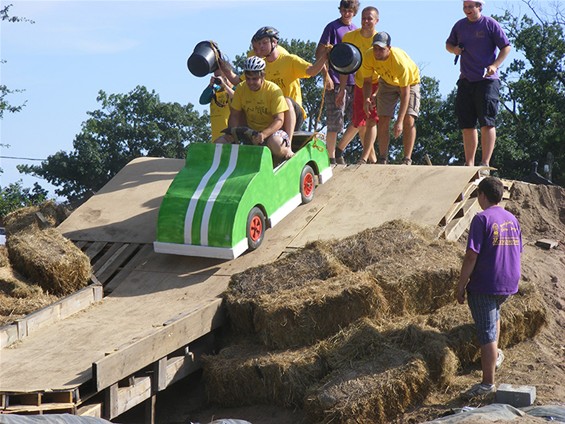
348	135
488	140
489	353
279	150
331	140
383	135
368	140
408	135
289	119
470	143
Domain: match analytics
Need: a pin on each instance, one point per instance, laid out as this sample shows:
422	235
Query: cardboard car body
206	210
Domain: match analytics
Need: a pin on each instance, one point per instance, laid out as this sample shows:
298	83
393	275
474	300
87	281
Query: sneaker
382	161
406	161
332	161
499	359
361	162
340	160
484	172
478	390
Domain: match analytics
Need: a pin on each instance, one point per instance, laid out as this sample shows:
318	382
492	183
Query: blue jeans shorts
477	101
485	309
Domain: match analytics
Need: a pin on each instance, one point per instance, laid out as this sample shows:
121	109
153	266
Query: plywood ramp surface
163	287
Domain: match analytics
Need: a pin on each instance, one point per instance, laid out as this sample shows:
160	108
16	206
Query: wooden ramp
158	314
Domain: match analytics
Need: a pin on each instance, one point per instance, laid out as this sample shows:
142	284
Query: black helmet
266	31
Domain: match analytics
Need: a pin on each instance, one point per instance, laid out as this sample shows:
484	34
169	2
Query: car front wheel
307	184
255	228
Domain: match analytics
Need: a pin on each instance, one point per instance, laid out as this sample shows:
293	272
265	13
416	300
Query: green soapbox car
225	197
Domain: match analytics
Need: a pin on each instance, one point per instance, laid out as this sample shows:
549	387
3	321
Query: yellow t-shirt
259	106
219	113
398	70
362	43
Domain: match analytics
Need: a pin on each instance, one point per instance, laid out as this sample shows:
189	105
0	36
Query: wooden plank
149	349
8	335
47	315
179	367
145	251
547	243
160	375
94	249
14	399
51	408
80	244
111	401
116	261
91	410
458	226
107	255
133	395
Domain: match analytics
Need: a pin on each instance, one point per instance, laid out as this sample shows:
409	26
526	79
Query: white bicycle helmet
254	64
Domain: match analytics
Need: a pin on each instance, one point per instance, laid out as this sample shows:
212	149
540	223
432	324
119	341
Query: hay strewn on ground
27	218
376	317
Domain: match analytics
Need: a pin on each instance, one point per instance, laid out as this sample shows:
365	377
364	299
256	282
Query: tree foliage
5	105
533	117
126	127
15	196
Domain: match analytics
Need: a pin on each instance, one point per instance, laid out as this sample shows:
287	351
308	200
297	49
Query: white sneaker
478	390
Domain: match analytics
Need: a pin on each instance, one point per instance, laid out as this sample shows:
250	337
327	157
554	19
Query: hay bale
319	309
522	316
376	390
287	273
359	341
27	218
248	374
50	260
392	239
433	345
422	281
4	261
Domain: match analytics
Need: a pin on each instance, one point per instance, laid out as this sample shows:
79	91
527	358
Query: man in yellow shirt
399	81
361	38
259	105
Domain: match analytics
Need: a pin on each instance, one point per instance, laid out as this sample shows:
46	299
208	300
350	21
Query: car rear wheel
255	228
307	184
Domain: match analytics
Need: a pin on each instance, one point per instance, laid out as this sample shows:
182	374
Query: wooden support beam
173	335
145	251
94	249
116	261
111	402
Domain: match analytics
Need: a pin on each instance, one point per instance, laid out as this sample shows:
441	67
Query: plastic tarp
50	419
502	412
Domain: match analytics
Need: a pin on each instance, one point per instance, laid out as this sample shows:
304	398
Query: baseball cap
381	39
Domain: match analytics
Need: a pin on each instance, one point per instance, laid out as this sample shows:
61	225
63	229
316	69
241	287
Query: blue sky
76	48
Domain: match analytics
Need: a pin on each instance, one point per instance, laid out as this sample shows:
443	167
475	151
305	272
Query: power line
18	158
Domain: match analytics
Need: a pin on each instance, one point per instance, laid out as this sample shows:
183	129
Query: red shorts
359	118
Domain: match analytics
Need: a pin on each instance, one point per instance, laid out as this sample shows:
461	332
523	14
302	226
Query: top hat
345	58
203	60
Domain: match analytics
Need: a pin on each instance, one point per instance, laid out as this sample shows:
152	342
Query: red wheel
307	184
255	228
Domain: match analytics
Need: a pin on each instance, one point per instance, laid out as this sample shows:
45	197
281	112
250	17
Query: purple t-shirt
480	40
496	237
333	34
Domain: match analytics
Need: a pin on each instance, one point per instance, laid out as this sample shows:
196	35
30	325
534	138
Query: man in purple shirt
475	39
333	34
489	275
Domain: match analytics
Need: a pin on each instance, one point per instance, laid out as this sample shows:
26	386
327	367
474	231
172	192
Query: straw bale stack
391	239
375	390
27	218
287	273
319	309
249	374
50	260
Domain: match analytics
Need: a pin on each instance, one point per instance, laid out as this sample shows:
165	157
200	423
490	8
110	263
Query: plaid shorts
485	309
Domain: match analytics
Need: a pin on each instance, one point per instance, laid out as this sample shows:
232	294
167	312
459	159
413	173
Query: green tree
533	114
15	196
126	127
4	90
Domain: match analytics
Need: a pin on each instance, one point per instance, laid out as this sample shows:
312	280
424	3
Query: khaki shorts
388	97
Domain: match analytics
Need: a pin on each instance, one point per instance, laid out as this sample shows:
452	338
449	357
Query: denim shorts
336	117
485	309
